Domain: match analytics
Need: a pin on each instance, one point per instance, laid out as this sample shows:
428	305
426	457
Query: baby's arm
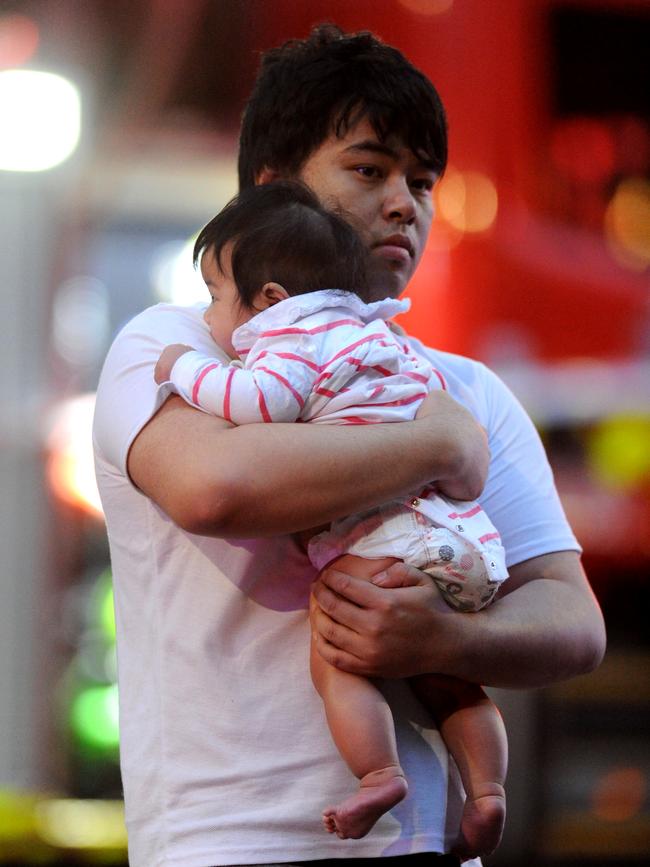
267	392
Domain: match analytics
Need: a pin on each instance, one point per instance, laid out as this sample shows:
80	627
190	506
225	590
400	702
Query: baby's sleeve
268	391
188	380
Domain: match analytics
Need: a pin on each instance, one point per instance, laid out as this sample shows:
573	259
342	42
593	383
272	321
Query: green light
107	612
94	717
102	609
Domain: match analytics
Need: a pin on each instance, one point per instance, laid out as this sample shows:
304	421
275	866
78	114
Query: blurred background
118	127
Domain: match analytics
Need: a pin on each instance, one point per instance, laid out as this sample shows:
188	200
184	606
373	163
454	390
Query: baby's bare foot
378	792
482	823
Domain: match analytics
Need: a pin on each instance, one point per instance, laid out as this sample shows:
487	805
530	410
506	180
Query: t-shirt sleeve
520	495
127	395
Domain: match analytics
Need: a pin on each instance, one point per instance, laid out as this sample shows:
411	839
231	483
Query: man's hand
545	626
379	629
463	443
168	358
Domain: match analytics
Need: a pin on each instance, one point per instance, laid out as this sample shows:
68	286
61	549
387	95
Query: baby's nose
206	316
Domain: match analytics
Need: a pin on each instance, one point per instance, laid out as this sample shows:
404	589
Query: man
225	756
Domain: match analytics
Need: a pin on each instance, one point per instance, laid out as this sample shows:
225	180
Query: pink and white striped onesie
329	358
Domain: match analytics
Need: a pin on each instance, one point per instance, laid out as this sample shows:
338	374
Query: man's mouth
397	248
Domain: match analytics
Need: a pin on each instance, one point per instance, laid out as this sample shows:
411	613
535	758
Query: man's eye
368	171
424	185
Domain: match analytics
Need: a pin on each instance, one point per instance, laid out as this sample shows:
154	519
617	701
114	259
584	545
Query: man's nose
399	203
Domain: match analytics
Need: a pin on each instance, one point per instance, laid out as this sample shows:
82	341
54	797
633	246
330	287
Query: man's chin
386	283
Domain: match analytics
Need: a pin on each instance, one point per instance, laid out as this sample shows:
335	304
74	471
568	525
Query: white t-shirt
225	754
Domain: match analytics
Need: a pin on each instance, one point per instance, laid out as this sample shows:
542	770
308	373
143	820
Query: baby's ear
266	176
272	293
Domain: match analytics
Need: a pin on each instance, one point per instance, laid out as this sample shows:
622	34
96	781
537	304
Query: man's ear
267	176
272	293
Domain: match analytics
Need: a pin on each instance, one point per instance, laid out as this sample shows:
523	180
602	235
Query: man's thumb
398	575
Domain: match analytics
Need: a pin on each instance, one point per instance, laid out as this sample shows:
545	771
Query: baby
287	281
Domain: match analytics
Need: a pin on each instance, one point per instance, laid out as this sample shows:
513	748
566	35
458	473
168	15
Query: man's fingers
356	590
357	626
400	575
337	641
341	659
336	607
329	629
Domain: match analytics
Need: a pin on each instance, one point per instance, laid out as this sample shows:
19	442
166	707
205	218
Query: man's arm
545	626
255	480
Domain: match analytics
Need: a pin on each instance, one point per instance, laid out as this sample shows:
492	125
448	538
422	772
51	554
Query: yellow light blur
619	794
16	815
618	451
467	201
77	824
443	238
70	467
427	7
451	195
627	223
41	120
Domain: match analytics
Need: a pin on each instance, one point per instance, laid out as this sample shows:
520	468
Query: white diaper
453	541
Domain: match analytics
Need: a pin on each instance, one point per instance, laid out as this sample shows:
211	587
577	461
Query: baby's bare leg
474	733
362	728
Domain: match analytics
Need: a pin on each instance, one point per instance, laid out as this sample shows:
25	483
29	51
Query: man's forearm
544	630
259	480
286	479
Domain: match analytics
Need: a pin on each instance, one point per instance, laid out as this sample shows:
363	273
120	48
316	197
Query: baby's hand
462	440
167	360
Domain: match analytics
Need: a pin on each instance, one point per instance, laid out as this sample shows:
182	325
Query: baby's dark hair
281	233
309	88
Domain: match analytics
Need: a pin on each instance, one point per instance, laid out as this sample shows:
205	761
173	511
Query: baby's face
225	312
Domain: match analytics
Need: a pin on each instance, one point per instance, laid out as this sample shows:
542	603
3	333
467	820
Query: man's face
385	192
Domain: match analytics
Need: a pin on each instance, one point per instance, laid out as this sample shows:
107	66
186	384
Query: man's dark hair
308	88
281	233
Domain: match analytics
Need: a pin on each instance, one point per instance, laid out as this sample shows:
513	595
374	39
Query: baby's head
271	242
